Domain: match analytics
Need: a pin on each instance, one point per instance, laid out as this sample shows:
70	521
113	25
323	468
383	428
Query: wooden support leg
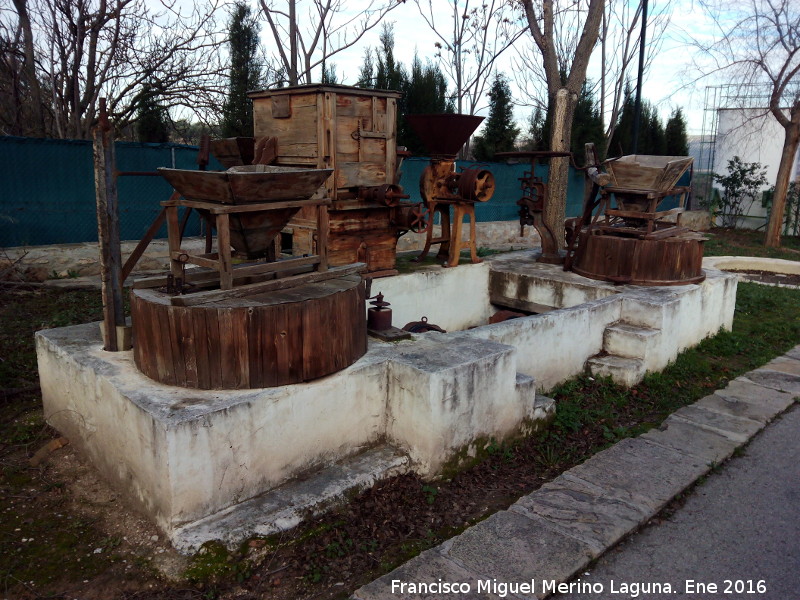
473	235
446	236
224	252
454	253
174	240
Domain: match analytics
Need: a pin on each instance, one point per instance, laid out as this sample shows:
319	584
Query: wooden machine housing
354	132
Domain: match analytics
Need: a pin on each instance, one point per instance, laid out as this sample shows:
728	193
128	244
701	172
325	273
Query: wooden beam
266	286
108	229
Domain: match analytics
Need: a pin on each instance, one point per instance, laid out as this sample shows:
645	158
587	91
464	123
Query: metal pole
637	111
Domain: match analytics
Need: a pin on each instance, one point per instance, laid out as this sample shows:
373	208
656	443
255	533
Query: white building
754	135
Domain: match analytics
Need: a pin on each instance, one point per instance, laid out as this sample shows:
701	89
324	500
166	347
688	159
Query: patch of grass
742	242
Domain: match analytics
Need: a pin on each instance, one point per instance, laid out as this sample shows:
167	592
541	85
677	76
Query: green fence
47	191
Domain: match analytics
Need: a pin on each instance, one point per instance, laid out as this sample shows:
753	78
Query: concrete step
630	341
285	507
623	370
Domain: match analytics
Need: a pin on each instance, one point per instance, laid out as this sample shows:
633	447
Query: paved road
742	524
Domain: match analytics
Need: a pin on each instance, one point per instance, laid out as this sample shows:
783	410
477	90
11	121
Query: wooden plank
354	174
211	362
265	286
178	345
162	344
227	348
255	347
219	209
196	260
203	349
143	244
274	267
289	341
143	345
241	347
187	343
225	265
628	214
268	340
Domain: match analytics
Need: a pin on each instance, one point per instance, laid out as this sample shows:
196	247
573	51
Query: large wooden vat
276	338
354	132
674	260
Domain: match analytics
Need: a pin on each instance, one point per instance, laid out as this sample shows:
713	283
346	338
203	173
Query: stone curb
553	533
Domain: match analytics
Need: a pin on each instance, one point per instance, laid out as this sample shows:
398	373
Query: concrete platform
185	456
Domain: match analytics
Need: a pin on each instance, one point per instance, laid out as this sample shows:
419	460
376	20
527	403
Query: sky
667	83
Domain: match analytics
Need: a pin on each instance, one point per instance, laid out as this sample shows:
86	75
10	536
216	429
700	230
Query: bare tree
758	44
470	37
620	33
564	64
307	34
86	49
618	38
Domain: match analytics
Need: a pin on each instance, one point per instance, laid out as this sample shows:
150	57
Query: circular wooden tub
670	261
278	338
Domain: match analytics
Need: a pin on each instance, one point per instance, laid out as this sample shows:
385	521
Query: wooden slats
277	338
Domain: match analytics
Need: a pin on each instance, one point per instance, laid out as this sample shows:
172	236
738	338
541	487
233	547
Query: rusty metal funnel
443	134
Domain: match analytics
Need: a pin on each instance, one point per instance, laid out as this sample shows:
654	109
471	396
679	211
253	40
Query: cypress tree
245	73
152	119
675	133
424	92
500	131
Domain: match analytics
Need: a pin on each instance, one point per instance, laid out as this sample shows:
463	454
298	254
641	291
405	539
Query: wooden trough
251	232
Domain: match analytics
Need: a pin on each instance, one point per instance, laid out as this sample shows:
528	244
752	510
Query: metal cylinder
379	319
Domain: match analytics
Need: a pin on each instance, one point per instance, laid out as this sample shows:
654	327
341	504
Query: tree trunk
791	142
30	68
561	131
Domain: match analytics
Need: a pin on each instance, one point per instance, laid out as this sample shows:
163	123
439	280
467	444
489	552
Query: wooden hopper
443	134
640	173
251	233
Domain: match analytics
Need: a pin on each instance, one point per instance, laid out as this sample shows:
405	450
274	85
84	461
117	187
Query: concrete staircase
625	351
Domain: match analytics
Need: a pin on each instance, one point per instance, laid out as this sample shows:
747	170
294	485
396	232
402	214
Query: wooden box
348	129
354	132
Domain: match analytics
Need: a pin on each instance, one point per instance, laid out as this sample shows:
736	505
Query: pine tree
622	141
652	138
500	131
245	73
675	133
152	119
587	125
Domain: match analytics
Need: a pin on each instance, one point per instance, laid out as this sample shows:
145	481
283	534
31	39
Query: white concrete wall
122	440
182	454
448	391
554	346
452	298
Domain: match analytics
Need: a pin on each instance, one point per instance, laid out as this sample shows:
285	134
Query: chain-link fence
47	193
